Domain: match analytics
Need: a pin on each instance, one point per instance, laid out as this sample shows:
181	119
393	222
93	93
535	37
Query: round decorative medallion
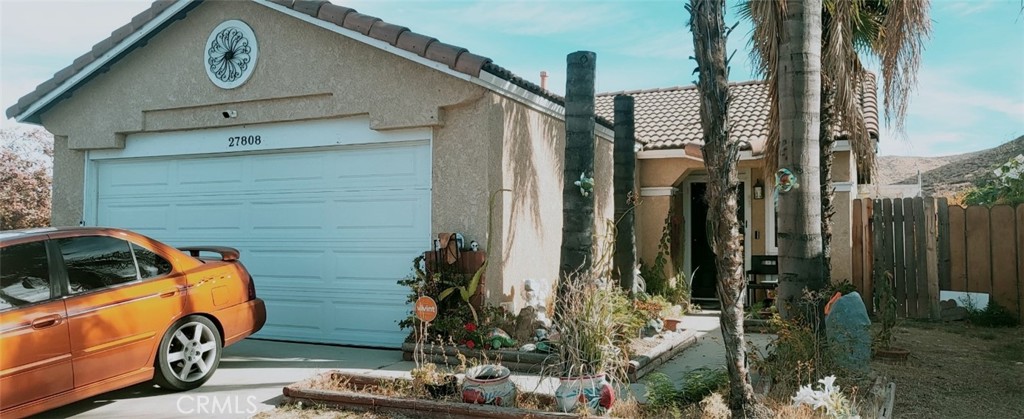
231	53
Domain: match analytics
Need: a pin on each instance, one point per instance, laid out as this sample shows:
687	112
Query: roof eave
30	112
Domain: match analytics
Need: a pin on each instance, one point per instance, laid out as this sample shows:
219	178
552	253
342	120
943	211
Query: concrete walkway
252	373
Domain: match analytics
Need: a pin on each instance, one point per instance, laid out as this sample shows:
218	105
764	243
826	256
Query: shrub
993	315
697	384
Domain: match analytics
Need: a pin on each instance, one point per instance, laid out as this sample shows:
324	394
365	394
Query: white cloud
534	18
966	8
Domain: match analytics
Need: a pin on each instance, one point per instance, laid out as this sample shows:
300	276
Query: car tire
189	354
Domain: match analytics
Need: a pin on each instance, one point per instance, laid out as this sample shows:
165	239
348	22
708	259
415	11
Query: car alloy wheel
189	354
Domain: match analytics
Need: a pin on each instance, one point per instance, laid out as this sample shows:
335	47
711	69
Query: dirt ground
958	371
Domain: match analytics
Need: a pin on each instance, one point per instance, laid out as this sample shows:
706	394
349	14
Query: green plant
697	384
800	352
844	287
587	343
885	301
993	315
1006	187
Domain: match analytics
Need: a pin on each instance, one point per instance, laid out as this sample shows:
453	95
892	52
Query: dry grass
958	371
319	412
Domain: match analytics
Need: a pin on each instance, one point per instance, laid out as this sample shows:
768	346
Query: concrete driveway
249	380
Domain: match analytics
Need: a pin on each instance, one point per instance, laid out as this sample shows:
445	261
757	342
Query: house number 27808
245	140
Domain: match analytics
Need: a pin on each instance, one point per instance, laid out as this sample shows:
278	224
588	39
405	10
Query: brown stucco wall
303	72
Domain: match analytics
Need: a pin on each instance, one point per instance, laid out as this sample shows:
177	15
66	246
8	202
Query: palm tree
721	154
577	198
891	32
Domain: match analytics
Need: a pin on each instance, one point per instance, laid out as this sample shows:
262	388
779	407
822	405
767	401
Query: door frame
686	187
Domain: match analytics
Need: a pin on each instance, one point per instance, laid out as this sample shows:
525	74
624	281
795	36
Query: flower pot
489	384
594	392
449	386
672	325
892	354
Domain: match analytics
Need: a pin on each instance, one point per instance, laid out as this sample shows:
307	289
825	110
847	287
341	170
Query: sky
970	94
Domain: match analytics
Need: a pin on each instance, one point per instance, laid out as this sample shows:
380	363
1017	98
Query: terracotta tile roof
669	118
456	58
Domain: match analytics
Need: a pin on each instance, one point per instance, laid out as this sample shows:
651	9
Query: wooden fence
927	245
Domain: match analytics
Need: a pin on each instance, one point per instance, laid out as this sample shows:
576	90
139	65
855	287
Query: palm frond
767	17
905	29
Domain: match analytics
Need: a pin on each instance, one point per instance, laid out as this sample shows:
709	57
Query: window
151	265
97	262
24	275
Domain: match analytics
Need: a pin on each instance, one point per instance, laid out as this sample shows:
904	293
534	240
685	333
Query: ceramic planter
594	392
671	324
489	384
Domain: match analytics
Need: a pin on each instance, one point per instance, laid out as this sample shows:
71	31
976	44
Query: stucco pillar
68	178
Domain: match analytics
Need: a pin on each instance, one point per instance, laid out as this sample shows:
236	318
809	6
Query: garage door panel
288	217
295	265
383	213
219	216
390	167
134	177
217	172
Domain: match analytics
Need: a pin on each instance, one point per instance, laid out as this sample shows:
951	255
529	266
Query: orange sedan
84	311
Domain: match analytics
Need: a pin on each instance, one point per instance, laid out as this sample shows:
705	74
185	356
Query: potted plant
586	350
436	383
884	337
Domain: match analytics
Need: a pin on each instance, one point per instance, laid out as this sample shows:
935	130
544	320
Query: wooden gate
927	245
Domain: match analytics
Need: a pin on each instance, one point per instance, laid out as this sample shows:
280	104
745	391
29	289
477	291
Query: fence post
932	258
945	265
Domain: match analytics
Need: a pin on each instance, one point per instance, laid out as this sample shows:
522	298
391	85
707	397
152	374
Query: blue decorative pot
594	392
489	384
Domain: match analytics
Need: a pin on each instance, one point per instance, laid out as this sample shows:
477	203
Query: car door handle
169	294
46	321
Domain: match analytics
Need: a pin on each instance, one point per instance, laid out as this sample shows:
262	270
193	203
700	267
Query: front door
702	264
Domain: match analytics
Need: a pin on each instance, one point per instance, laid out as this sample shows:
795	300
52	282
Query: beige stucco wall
532	151
482	141
303	72
842	238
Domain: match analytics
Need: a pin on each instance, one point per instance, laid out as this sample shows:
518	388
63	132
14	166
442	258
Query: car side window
24	275
151	265
96	262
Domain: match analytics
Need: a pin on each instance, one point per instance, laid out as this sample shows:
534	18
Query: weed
662	394
993	315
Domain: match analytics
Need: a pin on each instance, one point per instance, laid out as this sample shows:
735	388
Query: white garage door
326	233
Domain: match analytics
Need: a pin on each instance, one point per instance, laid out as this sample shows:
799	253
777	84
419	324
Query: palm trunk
827	191
800	248
720	157
578	208
625	179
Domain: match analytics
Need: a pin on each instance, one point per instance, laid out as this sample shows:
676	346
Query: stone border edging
419	408
530	362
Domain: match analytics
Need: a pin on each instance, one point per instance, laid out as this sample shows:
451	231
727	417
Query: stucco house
672	178
330	147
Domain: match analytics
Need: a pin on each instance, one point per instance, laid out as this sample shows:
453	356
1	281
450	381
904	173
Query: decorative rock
526	324
653	327
847	326
498	339
529	347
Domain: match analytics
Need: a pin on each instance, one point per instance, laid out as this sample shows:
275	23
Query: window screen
24	275
151	265
97	262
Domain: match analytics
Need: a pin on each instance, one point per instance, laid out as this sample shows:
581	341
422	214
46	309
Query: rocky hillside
945	175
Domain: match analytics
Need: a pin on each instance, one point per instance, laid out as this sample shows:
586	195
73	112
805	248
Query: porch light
759	189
